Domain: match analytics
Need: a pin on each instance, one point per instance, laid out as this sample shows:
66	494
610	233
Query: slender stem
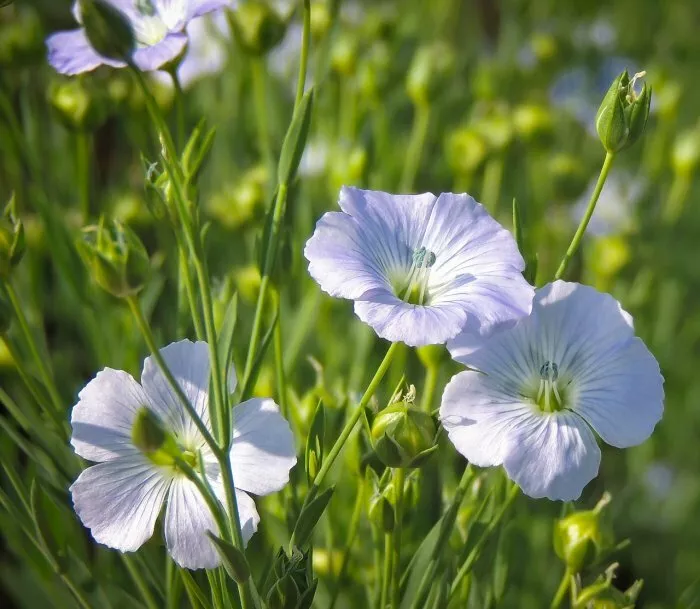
419	131
279	361
386	579
83	147
352	534
493	178
680	187
261	114
179	102
42	367
145	329
562	589
304	61
140	582
216	593
399	483
468	565
580	231
80	599
431	379
185	281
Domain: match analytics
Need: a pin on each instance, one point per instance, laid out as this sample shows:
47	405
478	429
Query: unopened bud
430	67
116	258
108	29
533	123
78	107
147	432
686	152
257	26
381	513
343	54
403	436
12	240
623	114
465	150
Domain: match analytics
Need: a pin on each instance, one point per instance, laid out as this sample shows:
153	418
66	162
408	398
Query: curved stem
581	230
419	131
304	61
562	589
386	579
399	483
261	114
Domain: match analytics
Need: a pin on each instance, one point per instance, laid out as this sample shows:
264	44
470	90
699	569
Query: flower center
549	396
414	288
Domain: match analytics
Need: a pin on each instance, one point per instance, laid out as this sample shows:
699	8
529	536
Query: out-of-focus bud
116	258
568	175
78	107
344	53
533	123
465	150
257	26
403	436
235	206
5	315
686	152
623	114
320	19
107	29
22	38
373	71
601	594
496	129
429	69
431	355
348	166
607	256
381	513
327	563
290	583
147	432
544	47
247	281
580	537
12	240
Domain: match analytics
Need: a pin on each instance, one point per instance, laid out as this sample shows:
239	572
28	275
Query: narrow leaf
314	442
295	140
232	559
309	517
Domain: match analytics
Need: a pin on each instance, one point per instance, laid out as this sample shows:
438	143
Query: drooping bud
258	27
580	537
623	114
116	258
108	29
78	107
403	436
12	239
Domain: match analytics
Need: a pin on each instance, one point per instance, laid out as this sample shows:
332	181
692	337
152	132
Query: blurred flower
615	210
120	498
540	385
157	26
419	267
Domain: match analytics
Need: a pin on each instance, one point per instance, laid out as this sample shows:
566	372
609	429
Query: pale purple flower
121	497
539	388
420	268
158	27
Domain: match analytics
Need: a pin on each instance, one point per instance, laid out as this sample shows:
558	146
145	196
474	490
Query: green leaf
313	456
232	559
295	140
500	566
249	382
225	332
43	532
310	515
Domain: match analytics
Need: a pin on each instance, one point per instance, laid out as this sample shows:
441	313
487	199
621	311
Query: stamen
549	374
418	275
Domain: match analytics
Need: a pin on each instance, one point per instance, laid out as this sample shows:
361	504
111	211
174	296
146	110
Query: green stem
680	187
493	178
562	589
419	131
140	582
83	168
386	579
42	367
580	231
186	289
279	361
473	556
399	483
179	102
304	61
261	114
429	387
145	329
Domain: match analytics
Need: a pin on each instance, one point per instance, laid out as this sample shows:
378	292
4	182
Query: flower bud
601	594
320	19
291	585
579	538
429	69
78	107
348	166
343	54
381	513
403	436
569	177
465	150
147	432
258	27
533	123
21	39
116	258
107	29
12	240
686	152
623	114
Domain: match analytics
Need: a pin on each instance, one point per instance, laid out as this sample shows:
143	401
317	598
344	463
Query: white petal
263	447
552	455
247	514
187	520
189	364
103	417
480	416
621	395
119	501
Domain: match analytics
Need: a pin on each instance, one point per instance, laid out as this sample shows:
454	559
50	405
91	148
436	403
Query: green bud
107	29
430	67
115	257
343	54
258	28
402	436
348	166
579	538
623	114
465	150
568	175
147	432
320	19
601	594
373	71
290	583
686	152
12	240
381	513
533	123
22	39
78	107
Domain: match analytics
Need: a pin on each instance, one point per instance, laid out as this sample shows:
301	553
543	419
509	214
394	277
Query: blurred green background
493	97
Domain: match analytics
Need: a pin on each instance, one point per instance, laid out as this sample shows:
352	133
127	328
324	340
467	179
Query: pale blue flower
420	268
121	497
539	388
158	27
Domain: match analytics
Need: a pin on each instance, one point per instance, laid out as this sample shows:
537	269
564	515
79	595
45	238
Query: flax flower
120	498
539	389
420	268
